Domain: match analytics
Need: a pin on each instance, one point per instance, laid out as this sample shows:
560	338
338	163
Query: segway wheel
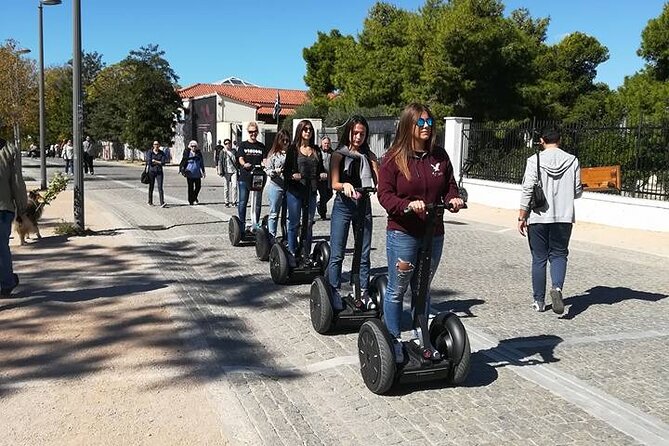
320	305
235	230
263	244
449	336
377	363
322	255
377	290
278	264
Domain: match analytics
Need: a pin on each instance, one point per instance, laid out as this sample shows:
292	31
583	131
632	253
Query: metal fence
499	152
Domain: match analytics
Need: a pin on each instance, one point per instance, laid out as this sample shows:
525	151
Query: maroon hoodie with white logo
432	181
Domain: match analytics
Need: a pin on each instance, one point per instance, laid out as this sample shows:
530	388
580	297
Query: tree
18	97
655	45
151	99
58	103
321	59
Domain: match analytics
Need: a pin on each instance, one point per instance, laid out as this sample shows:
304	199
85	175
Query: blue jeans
243	201
548	242
69	167
345	212
276	195
294	201
6	271
404	247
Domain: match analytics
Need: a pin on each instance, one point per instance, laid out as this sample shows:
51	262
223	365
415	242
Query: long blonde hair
402	147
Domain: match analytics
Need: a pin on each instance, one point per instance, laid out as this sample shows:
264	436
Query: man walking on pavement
324	186
549	226
13	201
89	151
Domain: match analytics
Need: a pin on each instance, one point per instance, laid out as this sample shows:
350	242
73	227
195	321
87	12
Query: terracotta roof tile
260	97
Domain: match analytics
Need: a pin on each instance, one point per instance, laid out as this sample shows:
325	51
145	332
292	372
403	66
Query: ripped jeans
406	248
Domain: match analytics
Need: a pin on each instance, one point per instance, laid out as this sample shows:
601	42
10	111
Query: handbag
144	178
538	198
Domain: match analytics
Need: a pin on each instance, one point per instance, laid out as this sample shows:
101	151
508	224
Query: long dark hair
297	140
403	145
280	143
345	140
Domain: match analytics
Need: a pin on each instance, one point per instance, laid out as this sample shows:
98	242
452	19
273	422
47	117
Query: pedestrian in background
549	228
89	150
324	186
192	167
217	153
353	165
276	158
68	156
155	160
227	168
416	172
13	202
251	153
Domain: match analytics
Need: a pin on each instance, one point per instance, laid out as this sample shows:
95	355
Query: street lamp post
17	99
42	126
77	117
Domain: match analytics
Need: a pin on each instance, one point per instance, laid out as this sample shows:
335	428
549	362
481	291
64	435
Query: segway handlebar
366	190
433	206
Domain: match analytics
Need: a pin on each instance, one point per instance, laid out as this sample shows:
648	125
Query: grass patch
70	229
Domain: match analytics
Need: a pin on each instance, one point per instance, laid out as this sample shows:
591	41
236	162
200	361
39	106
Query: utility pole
77	117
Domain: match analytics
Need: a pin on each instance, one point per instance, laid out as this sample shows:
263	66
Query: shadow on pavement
82	307
604	295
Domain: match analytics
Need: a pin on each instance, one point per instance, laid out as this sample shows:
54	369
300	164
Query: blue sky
262	41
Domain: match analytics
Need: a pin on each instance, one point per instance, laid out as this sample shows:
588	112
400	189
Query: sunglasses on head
421	122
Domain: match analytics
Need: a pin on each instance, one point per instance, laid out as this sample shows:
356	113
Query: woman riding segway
302	170
353	173
416	175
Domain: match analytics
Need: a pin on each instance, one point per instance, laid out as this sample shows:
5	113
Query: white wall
234	111
612	210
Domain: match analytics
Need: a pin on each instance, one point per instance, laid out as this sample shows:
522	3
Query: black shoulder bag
538	199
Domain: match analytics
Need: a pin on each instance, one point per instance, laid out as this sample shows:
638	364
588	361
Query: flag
277	106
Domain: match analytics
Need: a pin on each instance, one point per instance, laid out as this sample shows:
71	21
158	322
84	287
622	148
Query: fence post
455	143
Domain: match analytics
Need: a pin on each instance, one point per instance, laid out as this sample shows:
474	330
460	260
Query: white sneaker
368	301
399	351
539	306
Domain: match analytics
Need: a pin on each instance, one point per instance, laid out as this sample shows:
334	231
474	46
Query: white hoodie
561	182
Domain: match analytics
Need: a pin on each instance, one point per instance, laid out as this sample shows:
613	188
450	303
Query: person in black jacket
155	160
192	167
302	172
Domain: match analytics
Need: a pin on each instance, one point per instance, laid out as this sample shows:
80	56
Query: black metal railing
498	152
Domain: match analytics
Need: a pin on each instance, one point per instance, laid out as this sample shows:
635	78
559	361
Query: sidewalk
95	359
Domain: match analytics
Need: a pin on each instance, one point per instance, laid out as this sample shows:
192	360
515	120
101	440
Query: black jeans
88	163
324	195
194	185
156	177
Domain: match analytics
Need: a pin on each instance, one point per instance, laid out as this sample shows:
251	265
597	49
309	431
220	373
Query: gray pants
230	188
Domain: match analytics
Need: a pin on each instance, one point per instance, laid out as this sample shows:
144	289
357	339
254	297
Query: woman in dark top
353	165
302	171
415	172
155	160
192	167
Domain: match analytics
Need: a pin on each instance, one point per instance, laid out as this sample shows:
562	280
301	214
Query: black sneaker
7	292
556	299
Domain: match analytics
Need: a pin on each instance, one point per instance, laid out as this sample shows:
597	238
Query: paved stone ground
596	375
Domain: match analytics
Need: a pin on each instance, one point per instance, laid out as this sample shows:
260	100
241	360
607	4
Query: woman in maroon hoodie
415	172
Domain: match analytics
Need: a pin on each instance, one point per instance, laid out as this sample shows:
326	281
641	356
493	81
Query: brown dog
27	223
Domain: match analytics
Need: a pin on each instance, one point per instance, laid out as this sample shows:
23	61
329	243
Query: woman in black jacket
155	160
302	171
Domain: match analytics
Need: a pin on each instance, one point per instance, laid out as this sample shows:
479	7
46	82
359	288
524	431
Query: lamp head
51	2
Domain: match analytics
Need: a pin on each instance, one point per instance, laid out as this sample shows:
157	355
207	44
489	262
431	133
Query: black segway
306	265
324	317
450	358
264	240
236	228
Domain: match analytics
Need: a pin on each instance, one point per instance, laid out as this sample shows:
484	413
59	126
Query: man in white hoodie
548	228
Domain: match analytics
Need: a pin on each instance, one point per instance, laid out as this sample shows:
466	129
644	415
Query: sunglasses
307	129
253	132
421	122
